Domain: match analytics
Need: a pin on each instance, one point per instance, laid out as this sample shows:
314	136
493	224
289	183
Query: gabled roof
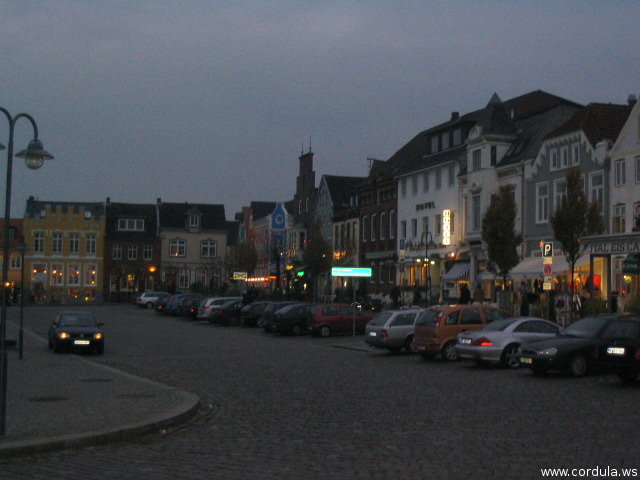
173	215
116	210
598	121
341	188
262	209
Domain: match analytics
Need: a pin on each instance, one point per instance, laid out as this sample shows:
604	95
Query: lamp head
34	155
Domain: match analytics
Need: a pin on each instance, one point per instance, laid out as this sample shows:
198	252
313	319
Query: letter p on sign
547	249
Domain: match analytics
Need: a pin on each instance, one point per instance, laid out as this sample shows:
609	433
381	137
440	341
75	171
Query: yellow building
65	250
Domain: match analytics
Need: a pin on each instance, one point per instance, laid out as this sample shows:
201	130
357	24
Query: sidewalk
62	401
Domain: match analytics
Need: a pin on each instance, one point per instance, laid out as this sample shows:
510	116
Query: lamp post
427	238
34	156
22	249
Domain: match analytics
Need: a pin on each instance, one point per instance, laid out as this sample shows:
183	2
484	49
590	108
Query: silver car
499	341
392	330
208	305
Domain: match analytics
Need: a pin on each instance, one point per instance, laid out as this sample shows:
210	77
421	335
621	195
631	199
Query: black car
226	314
572	350
185	303
269	311
291	319
620	349
76	330
193	306
250	314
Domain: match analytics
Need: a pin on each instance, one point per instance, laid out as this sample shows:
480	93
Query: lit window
177	248
73	274
90	275
56	276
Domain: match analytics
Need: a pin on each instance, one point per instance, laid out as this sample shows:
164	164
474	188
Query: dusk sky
211	101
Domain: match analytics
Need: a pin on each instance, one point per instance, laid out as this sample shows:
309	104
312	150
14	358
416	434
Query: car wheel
510	356
449	353
409	346
296	330
427	355
324	331
627	376
578	365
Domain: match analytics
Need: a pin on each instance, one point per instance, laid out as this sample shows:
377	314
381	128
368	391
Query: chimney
158	201
455	116
632	100
108	200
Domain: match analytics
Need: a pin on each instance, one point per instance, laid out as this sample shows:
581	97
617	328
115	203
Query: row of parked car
482	333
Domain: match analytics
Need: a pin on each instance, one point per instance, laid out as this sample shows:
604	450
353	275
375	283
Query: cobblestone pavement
281	407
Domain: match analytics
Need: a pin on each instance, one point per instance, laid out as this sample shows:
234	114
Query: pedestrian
478	295
465	294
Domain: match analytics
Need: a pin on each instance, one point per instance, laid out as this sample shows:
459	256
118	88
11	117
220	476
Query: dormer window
194	221
131	224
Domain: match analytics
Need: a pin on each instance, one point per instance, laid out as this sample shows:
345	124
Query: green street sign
300	273
350	272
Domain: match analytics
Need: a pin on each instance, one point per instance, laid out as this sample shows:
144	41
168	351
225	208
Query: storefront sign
624	246
547	283
350	272
240	275
446	227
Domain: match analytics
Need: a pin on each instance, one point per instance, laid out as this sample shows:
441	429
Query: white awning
532	267
458	272
487	275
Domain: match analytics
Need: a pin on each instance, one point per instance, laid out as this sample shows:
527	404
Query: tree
317	256
242	258
499	233
575	218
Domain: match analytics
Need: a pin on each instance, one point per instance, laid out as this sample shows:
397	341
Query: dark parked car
193	307
572	350
76	330
291	319
178	304
250	314
161	304
337	317
226	314
269	311
620	349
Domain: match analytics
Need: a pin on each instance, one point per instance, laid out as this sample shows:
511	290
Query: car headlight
97	336
549	352
63	335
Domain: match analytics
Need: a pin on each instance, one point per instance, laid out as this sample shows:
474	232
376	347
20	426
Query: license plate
526	360
465	340
615	351
81	342
373	334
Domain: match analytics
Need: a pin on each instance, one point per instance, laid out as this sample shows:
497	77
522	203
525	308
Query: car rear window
585	327
381	319
499	325
428	318
627	330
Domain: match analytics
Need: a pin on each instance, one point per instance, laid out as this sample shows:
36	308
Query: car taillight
483	342
385	333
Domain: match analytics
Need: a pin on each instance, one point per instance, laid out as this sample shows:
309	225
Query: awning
532	267
458	272
487	275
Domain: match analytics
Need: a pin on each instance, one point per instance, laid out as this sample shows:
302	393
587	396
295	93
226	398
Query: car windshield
586	327
76	320
427	319
499	325
381	319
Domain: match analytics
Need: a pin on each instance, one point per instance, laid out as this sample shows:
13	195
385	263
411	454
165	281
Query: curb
186	409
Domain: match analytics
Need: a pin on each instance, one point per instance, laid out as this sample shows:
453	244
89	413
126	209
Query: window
15	262
177	248
554	159
452	175
457	137
73	274
425	224
476	159
131	224
374	226
383	226
117	252
638	169
542	203
564	156
57	275
470	316
414	185
438	178
208	249
596	191
636	216
403	187
183	278
403	320
492	315
452	221
620	173
618	220
38	242
365	228
494	155
74	243
425	182
576	154
434	144
414	227
132	252
306	204
476	219
299	206
91	243
57	242
194	221
392	224
452	318
560	189
439	224
147	252
403	229
445	140
90	274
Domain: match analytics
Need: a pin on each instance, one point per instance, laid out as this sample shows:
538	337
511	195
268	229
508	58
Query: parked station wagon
392	330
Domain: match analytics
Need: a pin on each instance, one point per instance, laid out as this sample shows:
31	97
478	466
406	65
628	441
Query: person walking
465	294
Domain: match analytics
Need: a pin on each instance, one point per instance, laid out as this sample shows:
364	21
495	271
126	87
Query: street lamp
427	238
22	249
34	156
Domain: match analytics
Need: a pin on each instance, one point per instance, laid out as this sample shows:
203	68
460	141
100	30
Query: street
280	407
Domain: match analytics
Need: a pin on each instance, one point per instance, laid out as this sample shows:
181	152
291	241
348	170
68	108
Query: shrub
593	306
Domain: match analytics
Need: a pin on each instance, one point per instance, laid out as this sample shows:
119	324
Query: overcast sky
211	101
